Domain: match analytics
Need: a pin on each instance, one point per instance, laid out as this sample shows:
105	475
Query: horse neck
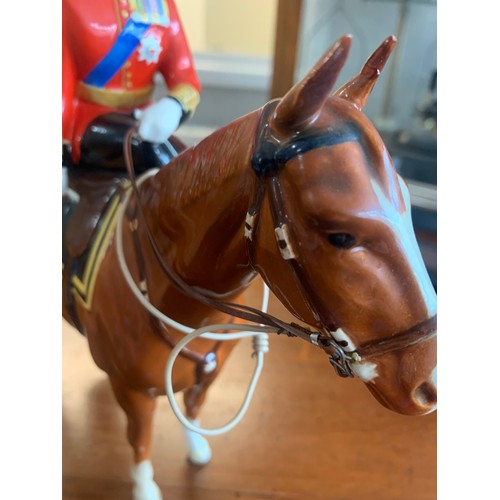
196	208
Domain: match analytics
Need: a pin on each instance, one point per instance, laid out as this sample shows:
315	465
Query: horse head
334	239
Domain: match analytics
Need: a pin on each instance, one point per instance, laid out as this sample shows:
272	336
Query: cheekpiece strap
266	145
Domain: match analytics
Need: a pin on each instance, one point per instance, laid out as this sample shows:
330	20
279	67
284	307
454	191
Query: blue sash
124	46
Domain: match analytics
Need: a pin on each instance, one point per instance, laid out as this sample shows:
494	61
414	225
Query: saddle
101	172
100	181
95	190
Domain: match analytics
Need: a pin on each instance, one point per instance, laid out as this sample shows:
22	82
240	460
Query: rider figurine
111	50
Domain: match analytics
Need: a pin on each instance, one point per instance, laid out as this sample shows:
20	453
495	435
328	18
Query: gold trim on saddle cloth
115	98
83	289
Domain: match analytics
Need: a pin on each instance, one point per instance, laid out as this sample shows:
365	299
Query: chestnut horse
302	192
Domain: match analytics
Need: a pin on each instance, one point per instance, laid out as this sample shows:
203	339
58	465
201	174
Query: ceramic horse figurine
302	192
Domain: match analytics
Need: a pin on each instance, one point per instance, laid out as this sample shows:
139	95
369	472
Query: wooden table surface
307	435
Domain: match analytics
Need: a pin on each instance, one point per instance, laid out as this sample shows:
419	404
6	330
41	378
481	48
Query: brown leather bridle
268	158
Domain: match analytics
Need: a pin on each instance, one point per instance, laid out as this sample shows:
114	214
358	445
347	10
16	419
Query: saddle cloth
87	227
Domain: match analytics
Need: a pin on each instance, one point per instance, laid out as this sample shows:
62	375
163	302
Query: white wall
233	46
370	22
244	27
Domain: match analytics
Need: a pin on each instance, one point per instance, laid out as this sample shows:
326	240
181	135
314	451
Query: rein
337	356
269	156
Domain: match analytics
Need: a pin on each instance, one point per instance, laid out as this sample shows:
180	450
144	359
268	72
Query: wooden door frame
285	46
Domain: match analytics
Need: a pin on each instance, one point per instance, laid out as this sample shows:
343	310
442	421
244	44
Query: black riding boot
102	145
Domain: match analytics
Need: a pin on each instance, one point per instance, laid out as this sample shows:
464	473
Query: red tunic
90	31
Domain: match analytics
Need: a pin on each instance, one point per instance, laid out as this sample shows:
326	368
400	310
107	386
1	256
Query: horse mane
203	167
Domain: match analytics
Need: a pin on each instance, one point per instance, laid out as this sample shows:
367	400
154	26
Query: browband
270	153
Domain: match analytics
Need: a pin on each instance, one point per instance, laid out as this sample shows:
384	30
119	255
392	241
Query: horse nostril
425	394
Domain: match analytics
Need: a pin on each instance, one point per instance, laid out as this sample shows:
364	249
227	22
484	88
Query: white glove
159	120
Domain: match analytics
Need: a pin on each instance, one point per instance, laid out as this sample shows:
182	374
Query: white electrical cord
261	346
259	333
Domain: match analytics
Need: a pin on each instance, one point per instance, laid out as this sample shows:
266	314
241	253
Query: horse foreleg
139	408
199	452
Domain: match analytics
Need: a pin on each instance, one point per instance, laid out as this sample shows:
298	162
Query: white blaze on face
403	228
434	377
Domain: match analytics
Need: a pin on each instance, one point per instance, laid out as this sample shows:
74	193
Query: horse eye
341	240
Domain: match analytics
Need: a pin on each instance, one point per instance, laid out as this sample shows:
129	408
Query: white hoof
144	486
199	452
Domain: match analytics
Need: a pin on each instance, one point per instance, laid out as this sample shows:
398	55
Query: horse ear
359	88
304	100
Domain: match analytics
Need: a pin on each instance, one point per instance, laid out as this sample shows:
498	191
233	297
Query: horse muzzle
403	380
421	401
425	395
